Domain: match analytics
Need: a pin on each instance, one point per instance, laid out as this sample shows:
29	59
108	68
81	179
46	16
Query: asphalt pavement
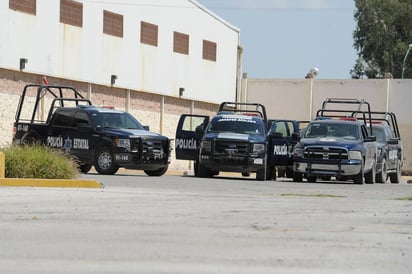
183	224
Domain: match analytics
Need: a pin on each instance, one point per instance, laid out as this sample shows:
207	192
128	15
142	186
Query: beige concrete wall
300	99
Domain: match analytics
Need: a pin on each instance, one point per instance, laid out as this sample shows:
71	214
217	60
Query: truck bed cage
244	108
61	94
345	111
388	118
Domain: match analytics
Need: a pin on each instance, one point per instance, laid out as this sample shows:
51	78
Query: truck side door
189	132
280	141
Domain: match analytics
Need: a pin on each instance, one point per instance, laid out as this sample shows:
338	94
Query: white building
156	46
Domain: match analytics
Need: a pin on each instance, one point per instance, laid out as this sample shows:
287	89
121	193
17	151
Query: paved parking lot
183	224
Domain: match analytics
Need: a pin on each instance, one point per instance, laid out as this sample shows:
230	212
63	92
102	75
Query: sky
286	38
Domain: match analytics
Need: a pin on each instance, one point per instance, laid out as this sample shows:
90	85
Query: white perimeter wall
86	54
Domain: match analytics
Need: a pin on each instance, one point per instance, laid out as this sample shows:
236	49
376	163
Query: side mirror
295	137
146	128
393	141
200	130
370	139
276	135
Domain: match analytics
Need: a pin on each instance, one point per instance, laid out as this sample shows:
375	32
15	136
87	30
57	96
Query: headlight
355	155
258	148
298	152
123	143
206	145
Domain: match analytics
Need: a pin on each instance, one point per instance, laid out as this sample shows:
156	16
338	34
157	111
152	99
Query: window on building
71	12
209	50
149	33
27	6
181	43
112	23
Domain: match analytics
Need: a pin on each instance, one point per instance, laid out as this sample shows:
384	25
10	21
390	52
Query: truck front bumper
232	164
145	162
343	168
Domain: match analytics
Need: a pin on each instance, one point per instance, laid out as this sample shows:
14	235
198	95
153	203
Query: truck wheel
281	171
312	179
158	172
297	177
196	168
396	177
358	178
261	174
84	168
31	139
382	176
103	161
370	176
203	171
289	172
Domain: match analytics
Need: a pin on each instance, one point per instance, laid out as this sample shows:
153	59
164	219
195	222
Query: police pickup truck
390	149
235	140
338	144
103	137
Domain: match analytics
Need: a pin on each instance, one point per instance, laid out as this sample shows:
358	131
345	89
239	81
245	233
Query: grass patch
312	195
38	162
404	199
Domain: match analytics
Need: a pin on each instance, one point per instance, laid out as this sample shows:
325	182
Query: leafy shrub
38	162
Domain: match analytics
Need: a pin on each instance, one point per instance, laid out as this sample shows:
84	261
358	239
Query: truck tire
261	174
297	177
358	178
84	168
31	139
204	172
158	172
382	176
370	176
104	161
396	177
312	179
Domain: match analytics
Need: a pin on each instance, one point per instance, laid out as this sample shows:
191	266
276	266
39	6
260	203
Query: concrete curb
28	182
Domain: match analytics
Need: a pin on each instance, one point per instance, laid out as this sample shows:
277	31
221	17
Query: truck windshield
236	124
115	120
345	131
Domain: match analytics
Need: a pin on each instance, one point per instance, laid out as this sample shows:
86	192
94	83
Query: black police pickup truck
338	144
103	137
235	140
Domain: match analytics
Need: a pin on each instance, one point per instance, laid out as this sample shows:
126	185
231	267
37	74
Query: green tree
382	38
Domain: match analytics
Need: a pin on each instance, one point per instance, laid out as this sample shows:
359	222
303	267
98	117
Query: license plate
122	157
324	167
258	161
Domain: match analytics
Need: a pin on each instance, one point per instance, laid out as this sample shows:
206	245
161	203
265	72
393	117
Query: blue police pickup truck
235	140
101	137
337	144
390	148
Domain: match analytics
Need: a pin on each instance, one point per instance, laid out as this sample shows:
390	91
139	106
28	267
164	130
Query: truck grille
150	148
325	153
231	147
